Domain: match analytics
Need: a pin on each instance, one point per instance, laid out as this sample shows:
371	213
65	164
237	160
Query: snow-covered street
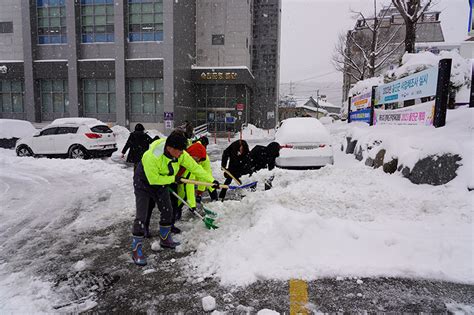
61	218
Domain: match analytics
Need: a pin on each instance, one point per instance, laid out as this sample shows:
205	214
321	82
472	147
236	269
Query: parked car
13	129
305	143
77	138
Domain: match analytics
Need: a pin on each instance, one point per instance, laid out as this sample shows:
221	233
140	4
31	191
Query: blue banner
415	86
361	115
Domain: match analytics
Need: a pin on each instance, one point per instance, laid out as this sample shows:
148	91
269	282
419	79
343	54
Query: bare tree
367	48
411	12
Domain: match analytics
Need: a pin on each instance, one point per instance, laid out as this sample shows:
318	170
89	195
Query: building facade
158	62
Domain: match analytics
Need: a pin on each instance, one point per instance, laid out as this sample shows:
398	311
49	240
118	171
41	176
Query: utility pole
317	103
291	88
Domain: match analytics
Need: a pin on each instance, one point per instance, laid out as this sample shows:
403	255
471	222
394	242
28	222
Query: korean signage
361	115
418	85
361	101
218	75
168	118
421	114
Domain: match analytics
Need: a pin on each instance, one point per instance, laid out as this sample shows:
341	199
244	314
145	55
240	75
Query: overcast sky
309	30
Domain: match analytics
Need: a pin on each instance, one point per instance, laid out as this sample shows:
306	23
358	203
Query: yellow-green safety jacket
187	191
161	170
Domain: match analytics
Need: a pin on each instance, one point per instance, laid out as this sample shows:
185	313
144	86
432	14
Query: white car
13	129
304	143
77	138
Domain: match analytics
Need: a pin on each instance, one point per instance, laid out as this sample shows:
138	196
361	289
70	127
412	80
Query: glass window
51	23
11	96
218	39
146	96
49	131
99	96
99	16
145	20
53	95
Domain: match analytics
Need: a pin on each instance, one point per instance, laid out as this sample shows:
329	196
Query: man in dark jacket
138	142
264	157
236	160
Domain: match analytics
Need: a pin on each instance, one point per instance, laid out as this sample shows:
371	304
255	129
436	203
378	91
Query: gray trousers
143	197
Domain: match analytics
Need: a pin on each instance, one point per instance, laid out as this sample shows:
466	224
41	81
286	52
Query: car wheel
24	150
77	152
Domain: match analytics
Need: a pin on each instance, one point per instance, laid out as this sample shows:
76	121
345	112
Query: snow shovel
207	221
209	212
229	187
231	176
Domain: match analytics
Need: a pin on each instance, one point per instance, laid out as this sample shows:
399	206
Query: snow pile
412	63
267	311
13	128
348	220
410	144
365	86
302	130
252	132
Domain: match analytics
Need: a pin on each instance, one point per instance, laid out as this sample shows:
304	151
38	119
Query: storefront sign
421	114
415	86
168	118
218	75
3	69
361	115
362	101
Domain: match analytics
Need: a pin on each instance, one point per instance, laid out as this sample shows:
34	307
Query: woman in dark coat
236	160
264	157
138	142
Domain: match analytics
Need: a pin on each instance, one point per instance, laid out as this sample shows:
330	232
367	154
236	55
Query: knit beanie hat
139	127
197	150
177	140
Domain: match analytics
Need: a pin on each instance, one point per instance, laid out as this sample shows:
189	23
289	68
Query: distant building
428	31
309	108
156	62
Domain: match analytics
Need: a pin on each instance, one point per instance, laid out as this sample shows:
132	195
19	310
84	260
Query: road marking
298	297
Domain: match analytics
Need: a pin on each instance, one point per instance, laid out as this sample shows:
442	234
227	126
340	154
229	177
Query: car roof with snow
302	130
15	128
76	121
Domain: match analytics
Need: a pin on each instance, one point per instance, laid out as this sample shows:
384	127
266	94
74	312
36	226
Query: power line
314	77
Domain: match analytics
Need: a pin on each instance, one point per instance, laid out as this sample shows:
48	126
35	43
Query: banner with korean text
421	115
360	107
415	86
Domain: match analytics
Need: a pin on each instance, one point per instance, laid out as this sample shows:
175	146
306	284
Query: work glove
215	184
177	179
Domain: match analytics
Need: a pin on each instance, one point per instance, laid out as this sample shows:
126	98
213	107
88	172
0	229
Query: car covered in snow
78	138
305	143
13	129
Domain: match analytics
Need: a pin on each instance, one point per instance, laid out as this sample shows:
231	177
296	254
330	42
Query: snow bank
252	132
365	86
409	144
14	128
344	220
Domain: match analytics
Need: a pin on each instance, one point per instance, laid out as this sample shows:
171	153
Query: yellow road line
298	297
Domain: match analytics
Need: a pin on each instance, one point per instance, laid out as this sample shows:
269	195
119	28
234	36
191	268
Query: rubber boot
166	239
137	252
175	230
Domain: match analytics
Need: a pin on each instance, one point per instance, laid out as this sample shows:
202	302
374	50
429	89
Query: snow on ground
342	220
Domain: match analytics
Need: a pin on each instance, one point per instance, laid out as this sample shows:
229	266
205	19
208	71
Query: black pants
143	197
223	190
